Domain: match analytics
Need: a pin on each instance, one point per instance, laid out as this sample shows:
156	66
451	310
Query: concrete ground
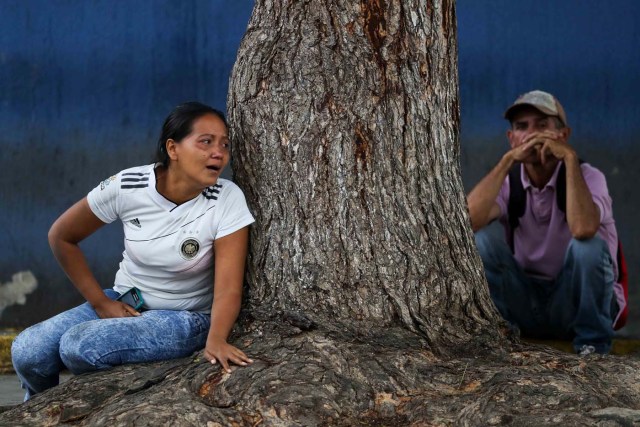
10	391
12	394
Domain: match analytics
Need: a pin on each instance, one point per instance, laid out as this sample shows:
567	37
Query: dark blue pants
576	305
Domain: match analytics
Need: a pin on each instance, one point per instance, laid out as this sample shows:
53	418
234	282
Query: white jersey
168	252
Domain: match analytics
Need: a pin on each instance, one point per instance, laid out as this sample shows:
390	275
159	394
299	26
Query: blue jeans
82	342
576	305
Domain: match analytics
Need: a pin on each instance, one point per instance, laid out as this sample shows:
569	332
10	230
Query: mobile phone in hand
132	297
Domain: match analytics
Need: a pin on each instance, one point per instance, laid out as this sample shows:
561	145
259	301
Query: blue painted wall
85	85
586	52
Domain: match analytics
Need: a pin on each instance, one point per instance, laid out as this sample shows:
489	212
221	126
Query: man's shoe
586	350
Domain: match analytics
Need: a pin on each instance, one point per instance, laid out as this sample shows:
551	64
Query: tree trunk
345	135
366	303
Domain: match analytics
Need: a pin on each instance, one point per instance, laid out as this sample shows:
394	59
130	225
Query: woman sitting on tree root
180	219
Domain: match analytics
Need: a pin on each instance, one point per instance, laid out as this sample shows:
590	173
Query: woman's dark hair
179	123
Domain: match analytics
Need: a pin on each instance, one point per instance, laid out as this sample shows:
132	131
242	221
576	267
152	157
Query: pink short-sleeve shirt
541	239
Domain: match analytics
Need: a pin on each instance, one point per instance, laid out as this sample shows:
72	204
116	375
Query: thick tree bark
366	300
345	118
314	379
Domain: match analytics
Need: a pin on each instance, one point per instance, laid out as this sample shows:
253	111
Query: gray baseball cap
541	101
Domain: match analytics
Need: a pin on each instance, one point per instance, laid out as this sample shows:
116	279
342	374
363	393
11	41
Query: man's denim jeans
82	342
576	305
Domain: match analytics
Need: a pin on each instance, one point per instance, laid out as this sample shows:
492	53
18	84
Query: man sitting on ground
557	277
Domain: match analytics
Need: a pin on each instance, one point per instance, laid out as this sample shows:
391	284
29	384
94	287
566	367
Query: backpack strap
517	201
561	187
623	279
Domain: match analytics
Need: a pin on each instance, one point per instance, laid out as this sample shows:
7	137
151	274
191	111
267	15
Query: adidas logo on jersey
136	222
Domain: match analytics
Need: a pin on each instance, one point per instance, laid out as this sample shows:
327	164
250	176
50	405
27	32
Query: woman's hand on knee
219	350
109	309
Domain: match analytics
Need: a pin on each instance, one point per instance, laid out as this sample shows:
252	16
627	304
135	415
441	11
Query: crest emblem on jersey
189	248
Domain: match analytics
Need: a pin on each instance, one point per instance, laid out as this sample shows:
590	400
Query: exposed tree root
316	378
